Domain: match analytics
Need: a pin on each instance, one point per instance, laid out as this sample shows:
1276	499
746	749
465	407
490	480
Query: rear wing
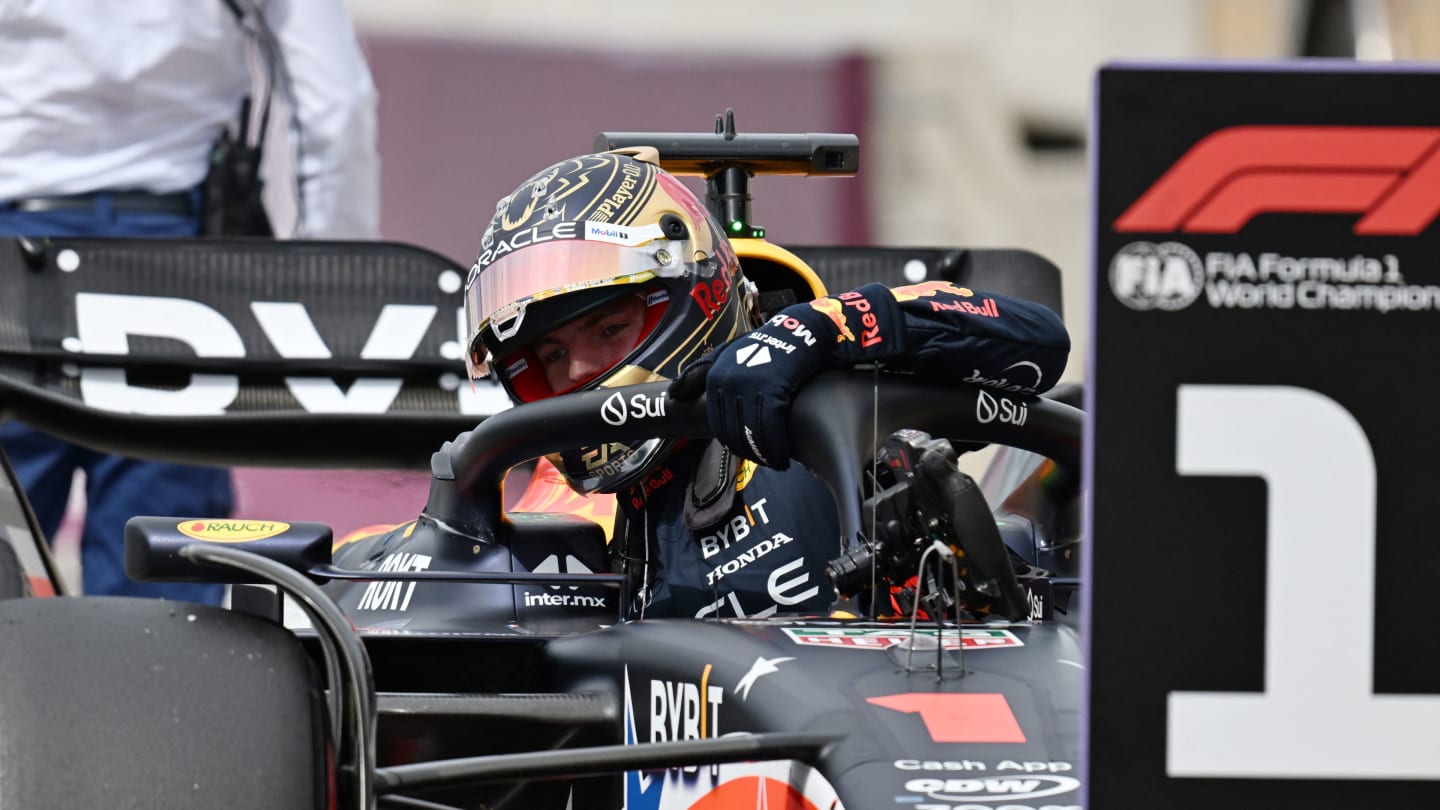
238	351
300	354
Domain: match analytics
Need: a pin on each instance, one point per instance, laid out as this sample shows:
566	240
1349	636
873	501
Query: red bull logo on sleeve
835	311
870	333
985	309
929	289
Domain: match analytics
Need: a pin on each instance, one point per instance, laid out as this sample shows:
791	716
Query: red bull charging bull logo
929	289
987	308
835	311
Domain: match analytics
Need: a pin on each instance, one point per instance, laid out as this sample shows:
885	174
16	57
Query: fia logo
1167	276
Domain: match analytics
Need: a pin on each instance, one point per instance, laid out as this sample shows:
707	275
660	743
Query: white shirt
131	94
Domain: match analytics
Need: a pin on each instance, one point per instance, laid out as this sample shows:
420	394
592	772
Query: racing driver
604	270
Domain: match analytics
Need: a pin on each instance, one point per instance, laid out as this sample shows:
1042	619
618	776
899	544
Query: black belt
123	201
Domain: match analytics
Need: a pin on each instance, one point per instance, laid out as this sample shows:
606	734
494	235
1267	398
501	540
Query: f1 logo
1391	175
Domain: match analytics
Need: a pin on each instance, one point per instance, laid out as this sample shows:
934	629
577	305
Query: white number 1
1318	717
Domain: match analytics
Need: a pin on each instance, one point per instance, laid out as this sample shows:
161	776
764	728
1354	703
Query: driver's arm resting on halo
605	270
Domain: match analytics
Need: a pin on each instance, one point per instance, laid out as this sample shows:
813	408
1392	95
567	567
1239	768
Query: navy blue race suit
765	554
764	549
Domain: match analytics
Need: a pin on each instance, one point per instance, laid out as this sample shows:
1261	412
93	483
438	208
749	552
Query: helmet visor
585	348
497	296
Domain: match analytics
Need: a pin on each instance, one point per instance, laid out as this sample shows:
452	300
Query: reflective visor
525	372
497	296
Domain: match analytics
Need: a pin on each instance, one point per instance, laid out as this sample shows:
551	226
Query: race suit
767	552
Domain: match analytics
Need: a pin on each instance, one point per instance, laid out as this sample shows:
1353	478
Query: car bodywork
475	658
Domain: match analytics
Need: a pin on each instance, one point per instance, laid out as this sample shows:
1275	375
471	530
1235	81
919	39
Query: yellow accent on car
231	530
758	257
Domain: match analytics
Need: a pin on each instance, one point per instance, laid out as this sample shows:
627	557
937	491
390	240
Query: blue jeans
116	488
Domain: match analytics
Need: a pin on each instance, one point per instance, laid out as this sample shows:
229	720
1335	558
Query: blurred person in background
147	118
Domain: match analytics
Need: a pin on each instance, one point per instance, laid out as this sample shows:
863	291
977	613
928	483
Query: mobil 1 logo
1262	444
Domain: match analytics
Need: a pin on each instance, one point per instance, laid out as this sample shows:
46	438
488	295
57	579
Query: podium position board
1265	536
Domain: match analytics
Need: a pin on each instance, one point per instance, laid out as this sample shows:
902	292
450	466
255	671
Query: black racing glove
751	382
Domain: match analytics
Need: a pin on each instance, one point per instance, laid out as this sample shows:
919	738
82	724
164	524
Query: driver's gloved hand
750	383
690	385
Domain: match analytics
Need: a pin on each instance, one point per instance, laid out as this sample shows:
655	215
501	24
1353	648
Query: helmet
593	235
